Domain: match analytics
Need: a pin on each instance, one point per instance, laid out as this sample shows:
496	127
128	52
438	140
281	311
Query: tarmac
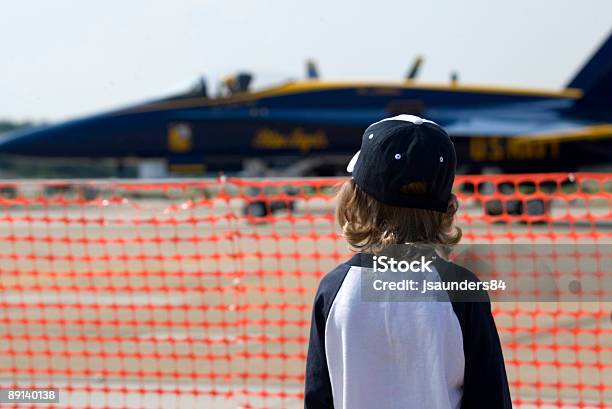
146	304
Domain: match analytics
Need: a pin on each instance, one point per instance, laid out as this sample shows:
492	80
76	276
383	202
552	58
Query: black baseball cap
401	150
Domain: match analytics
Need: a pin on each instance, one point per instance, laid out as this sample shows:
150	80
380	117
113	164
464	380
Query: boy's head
400	191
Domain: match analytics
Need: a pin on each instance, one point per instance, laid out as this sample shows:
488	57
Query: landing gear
259	206
262	208
512	207
534	207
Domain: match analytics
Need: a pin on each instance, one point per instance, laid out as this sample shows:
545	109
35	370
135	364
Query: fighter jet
313	126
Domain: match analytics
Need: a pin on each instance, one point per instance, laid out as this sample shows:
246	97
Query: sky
65	58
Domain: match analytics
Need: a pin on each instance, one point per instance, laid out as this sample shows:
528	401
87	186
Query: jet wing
521	128
502	141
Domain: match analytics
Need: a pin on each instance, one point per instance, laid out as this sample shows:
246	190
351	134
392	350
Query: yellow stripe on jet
300	87
307	86
595	132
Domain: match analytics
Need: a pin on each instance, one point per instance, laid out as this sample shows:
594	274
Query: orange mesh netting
197	294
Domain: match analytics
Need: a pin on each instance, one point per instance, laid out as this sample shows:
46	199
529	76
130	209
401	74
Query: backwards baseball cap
401	150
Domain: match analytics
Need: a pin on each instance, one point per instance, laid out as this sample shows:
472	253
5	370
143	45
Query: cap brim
351	164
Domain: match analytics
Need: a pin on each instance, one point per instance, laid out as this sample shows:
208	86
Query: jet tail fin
595	79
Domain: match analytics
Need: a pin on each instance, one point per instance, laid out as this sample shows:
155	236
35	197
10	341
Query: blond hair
370	226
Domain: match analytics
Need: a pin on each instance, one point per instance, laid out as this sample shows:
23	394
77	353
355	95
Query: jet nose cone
101	136
25	141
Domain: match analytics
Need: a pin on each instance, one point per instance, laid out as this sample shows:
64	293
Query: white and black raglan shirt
402	355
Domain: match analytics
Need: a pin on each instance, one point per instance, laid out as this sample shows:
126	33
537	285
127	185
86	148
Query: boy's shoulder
332	281
448	271
452	272
336	276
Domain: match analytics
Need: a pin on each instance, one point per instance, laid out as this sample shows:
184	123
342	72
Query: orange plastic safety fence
198	294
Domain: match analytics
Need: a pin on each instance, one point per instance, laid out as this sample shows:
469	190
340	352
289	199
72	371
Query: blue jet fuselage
513	130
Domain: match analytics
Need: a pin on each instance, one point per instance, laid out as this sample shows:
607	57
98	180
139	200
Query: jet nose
90	137
27	142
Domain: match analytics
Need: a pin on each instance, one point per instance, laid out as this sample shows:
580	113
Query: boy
401	355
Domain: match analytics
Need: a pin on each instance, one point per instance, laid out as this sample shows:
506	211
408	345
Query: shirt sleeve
485	382
318	390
